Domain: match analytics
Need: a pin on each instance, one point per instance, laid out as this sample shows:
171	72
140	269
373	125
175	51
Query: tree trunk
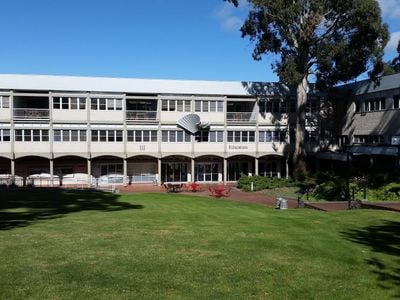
299	151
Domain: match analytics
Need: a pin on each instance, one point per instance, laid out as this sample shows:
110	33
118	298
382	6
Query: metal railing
240	117
141	115
31	113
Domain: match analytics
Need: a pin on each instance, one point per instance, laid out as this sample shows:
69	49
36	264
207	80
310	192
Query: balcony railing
141	115
31	113
240	117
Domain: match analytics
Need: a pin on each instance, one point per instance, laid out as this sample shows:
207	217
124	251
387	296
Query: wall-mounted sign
230	147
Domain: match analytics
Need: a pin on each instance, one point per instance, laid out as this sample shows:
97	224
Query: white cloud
230	17
390	8
392	44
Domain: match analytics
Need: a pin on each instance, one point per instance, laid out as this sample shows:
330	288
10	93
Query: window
142	136
270	136
206	172
36	135
69	135
31	135
209	106
312	106
368	139
111	169
273	105
357	106
175	105
241	136
4	135
4	102
72	103
375	104
396	101
311	136
175	136
107	136
209	136
106	104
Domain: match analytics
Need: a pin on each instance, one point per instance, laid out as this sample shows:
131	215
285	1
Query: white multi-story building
128	128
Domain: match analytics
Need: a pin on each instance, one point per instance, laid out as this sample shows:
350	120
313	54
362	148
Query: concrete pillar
13	167
51	172
249	167
159	179
192	171
125	166
225	171
287	167
89	172
256	166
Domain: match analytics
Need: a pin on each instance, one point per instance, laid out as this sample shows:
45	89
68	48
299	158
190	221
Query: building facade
129	131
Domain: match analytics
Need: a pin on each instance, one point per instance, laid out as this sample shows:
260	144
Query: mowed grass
80	245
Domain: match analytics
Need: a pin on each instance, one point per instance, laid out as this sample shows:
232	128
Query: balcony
141	115
31	114
244	117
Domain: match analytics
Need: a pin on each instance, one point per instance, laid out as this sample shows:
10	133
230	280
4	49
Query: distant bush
263	183
331	189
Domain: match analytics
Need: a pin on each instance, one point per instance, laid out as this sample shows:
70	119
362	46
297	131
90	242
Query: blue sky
172	39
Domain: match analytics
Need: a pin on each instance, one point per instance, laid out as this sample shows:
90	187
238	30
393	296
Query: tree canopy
333	40
392	67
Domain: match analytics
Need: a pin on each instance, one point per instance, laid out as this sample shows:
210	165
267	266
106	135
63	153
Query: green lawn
76	245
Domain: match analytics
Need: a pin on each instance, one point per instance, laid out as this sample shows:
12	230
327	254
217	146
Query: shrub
263	183
331	189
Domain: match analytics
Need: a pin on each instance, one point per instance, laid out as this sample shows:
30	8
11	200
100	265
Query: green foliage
336	40
263	183
332	189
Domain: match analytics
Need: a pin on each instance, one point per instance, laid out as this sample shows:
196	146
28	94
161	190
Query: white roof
130	85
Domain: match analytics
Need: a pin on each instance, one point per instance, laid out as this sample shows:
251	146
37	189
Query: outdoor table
173	187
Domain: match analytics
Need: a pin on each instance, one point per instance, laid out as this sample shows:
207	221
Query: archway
175	168
208	168
272	166
240	164
142	169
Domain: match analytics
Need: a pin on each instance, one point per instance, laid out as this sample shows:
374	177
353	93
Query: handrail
240	117
31	113
141	115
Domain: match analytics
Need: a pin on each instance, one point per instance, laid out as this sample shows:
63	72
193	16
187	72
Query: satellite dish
190	123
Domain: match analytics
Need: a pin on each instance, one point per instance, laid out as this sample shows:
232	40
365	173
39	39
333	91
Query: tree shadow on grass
19	208
383	239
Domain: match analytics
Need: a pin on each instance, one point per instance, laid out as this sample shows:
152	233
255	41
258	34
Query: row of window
199	105
69	103
105	104
175	105
272	136
107	136
174	136
67	135
210	136
31	135
377	104
208	106
369	139
142	135
281	106
75	135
